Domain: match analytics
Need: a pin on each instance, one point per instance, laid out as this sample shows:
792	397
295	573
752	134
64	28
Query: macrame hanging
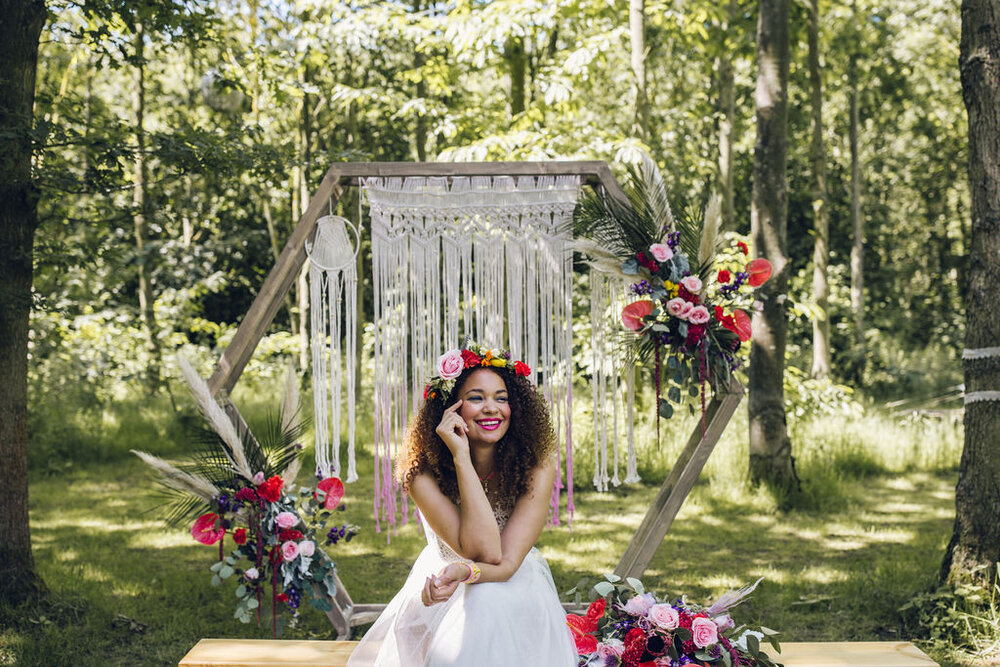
612	384
483	258
333	296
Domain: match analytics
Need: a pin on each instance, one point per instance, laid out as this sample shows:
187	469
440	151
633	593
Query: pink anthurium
759	271
334	490
204	529
633	313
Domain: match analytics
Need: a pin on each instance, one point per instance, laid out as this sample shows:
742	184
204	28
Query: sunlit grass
866	535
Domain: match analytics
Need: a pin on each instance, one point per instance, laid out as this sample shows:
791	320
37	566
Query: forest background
179	142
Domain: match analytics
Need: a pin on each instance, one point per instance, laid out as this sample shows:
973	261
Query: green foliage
963	618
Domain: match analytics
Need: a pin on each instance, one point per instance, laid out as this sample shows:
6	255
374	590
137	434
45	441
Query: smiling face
485	406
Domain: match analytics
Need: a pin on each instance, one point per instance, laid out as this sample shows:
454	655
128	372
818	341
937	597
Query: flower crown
451	364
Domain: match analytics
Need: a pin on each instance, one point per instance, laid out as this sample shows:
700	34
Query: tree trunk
770	447
637	40
420	127
19	31
517	62
821	253
975	542
140	217
858	225
305	193
727	105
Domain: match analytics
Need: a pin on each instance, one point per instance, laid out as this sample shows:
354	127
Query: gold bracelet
474	574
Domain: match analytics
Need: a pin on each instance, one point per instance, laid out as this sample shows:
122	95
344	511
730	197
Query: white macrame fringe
461	258
333	290
979	396
981	353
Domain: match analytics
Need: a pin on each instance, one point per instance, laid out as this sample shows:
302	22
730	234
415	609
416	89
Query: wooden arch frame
675	489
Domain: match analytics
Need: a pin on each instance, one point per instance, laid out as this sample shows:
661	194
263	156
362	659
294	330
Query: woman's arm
470	529
519	535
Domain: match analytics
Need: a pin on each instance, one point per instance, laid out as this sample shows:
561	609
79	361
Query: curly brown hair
529	440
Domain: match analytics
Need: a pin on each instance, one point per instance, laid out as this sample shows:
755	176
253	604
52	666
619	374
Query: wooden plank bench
300	653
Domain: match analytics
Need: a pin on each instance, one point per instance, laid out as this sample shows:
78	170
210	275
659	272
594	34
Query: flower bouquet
689	314
247	486
629	627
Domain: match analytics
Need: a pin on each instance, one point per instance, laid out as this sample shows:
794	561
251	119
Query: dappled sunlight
823	574
95	525
161	539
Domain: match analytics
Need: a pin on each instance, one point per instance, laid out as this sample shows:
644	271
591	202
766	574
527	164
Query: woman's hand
441	586
454	431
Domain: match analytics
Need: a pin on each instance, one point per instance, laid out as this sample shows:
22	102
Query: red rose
522	369
683	293
743	247
240	536
271	489
334	490
470	358
596	609
289	534
724	276
719	313
281	597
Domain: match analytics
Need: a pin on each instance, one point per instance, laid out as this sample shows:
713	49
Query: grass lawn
126	590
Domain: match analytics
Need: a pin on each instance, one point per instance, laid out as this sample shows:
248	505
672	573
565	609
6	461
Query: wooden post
679	482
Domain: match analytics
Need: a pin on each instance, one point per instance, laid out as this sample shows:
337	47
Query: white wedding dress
516	622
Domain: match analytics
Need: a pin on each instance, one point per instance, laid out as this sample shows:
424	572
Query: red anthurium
743	328
581	626
204	529
633	313
334	490
759	271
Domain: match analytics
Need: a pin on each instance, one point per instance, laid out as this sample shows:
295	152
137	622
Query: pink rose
251	574
290	550
676	306
640	604
258	479
725	622
686	310
286	520
705	632
613	647
450	365
691	284
664	616
307	548
661	252
698	315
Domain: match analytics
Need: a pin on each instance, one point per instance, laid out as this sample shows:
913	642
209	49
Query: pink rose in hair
661	252
691	284
698	315
640	604
705	632
290	550
664	616
286	520
450	365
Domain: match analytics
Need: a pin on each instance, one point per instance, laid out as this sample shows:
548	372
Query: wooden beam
268	301
679	482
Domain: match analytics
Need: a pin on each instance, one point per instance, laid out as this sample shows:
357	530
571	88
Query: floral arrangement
629	627
451	364
689	314
247	487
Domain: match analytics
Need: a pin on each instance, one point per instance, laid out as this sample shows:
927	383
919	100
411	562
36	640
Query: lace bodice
500	512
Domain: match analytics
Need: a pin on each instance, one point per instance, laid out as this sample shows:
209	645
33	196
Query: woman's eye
502	399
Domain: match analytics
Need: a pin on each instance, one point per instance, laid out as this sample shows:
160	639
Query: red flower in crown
470	358
724	276
522	369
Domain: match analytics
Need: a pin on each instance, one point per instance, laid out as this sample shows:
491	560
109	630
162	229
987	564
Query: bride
479	463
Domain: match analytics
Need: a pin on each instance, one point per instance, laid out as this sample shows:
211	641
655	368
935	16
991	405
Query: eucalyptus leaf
603	588
636	585
753	645
672	363
665	410
226	572
241	591
612	577
674	394
630	266
694	390
252	603
682	329
216	580
216	566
